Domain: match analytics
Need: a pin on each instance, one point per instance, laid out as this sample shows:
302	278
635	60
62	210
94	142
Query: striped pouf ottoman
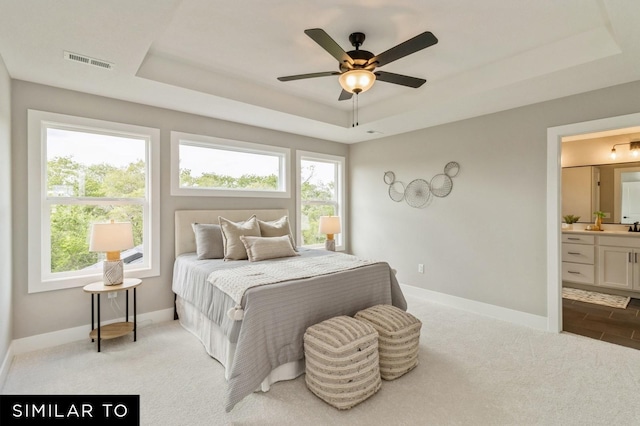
342	364
398	338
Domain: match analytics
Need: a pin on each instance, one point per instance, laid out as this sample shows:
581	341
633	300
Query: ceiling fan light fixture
357	81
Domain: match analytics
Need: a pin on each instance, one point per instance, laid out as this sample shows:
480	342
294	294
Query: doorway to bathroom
614	325
594	181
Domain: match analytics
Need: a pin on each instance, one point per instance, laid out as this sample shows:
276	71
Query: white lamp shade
329	225
108	237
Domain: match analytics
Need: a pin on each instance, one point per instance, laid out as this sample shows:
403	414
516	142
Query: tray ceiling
221	59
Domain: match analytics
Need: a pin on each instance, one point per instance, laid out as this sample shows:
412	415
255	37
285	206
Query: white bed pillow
209	243
231	232
263	248
277	228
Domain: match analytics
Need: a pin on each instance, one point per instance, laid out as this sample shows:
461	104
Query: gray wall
55	310
486	241
5	212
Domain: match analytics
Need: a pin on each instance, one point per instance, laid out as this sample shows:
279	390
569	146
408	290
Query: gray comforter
277	315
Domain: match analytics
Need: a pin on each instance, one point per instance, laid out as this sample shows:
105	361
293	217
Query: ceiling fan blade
344	95
327	43
403	80
312	75
419	42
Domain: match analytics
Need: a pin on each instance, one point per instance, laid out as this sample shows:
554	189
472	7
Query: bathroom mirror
611	188
592	180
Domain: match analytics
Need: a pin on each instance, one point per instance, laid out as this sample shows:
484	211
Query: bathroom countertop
616	232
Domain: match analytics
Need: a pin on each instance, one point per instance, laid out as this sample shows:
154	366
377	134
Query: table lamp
111	238
329	225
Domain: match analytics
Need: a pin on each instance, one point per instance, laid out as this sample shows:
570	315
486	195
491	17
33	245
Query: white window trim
341	188
284	155
38	233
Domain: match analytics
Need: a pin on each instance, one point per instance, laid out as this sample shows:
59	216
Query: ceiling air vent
88	61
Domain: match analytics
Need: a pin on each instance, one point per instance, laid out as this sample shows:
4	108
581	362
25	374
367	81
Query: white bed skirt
217	345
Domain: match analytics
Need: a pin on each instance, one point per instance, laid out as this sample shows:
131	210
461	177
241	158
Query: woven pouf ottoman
398	338
342	364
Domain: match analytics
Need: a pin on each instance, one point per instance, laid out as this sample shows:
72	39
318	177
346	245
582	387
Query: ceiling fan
357	66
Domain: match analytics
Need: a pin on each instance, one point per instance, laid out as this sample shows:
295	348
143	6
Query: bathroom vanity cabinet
578	258
618	262
603	259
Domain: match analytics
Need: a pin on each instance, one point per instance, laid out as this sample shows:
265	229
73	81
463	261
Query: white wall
57	310
6	277
486	241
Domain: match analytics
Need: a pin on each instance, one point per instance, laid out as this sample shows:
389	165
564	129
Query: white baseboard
55	338
516	317
6	363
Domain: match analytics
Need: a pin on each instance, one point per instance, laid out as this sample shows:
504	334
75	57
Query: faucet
635	227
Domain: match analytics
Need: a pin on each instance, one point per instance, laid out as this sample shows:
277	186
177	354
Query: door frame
554	203
617	193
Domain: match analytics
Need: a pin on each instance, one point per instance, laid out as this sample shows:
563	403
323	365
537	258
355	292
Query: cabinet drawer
578	272
578	239
578	253
630	241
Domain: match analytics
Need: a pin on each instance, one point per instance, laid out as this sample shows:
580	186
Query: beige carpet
598	298
473	371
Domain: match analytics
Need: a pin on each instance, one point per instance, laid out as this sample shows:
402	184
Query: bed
263	344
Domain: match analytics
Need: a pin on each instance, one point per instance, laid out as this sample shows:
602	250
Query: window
208	166
83	171
320	193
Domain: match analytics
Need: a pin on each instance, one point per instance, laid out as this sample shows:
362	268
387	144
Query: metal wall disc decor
396	191
441	185
451	169
389	178
418	192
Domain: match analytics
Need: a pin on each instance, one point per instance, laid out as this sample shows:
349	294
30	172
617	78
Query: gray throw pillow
209	243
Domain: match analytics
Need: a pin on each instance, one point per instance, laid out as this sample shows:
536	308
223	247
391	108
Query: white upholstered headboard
185	238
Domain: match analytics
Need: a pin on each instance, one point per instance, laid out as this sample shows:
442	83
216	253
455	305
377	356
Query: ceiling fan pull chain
357	110
353	111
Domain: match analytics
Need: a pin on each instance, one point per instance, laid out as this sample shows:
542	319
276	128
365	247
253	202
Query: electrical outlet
112	295
421	268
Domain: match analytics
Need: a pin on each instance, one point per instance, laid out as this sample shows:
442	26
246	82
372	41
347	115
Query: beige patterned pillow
277	228
263	248
231	232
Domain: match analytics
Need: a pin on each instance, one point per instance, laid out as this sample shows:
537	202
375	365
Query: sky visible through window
229	163
323	172
93	148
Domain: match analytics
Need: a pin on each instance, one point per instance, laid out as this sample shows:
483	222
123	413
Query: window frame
283	155
341	207
40	278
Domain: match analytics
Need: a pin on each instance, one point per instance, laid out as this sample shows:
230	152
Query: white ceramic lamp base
113	272
330	245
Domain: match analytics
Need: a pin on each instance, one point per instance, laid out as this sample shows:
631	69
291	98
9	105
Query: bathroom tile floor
613	325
